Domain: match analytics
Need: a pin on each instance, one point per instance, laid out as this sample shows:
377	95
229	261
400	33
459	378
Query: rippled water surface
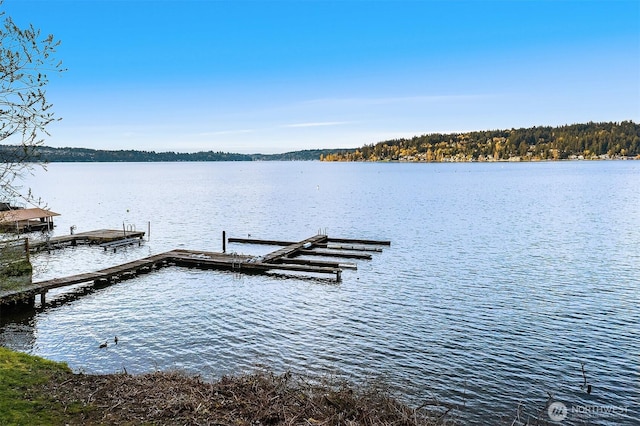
500	281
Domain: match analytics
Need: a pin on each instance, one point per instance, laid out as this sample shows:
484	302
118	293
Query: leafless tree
27	59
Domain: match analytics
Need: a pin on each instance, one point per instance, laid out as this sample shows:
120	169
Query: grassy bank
35	391
23	400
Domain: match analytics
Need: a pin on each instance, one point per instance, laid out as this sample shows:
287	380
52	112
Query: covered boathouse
26	220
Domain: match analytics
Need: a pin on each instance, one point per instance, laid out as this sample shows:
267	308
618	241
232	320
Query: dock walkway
287	258
100	236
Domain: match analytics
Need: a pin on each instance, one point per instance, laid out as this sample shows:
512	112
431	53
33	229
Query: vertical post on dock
26	250
43	299
149	231
224	241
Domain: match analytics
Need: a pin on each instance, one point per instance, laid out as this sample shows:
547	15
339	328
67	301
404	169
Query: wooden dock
288	258
103	237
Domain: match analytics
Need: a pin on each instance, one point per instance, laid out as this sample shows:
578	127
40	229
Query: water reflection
17	329
18	323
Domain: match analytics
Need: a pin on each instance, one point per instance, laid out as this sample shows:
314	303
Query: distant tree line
67	155
306	155
576	141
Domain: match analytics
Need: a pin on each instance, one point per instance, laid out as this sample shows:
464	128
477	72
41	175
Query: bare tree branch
27	58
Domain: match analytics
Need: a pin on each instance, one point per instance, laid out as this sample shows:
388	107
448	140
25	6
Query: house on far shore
26	220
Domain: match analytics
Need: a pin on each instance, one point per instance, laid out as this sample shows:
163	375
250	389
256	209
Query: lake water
501	280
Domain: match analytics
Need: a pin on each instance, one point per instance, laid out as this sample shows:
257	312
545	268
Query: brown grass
172	398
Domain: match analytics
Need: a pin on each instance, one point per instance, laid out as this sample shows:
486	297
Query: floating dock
288	258
106	238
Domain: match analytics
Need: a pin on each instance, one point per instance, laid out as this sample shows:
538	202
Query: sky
276	76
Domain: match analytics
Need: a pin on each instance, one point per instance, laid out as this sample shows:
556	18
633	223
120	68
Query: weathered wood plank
331	253
350	247
355	241
317	263
121	243
246	263
292	248
259	241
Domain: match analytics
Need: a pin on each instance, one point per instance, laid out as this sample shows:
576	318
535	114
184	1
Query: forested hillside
577	141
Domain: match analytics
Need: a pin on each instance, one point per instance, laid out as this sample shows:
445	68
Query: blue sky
276	76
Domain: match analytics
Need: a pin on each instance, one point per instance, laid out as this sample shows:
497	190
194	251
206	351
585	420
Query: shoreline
38	391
